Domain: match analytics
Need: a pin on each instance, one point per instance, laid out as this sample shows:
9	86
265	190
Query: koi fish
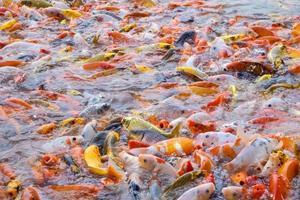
233	192
156	165
185	166
253	154
220	48
89	130
209	139
61	143
182	180
130	162
178	146
200	192
135	186
228	150
203	160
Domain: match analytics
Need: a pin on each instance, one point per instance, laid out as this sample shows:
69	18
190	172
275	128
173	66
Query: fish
72	164
204	160
156	165
219	48
61	143
13	188
98	139
187	36
92	158
182	180
228	150
93	110
89	130
146	135
200	192
192	72
135	123
275	159
36	3
253	154
276	54
175	146
30	193
254	68
185	166
111	138
200	122
210	139
233	192
135	186
130	162
53	12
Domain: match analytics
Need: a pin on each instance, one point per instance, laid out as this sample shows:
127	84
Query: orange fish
175	146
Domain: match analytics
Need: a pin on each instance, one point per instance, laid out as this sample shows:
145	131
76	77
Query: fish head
73	140
233	192
127	158
205	190
147	161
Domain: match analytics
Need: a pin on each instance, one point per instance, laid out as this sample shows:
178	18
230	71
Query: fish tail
113	173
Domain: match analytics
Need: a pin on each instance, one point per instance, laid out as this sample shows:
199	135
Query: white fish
22	47
253	154
210	139
130	162
219	45
61	143
275	103
200	192
89	130
233	192
156	165
271	165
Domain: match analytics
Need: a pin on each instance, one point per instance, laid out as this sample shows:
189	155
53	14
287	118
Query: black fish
147	136
187	36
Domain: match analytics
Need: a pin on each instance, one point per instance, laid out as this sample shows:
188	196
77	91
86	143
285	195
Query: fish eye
145	160
207	191
207	136
74	138
269	105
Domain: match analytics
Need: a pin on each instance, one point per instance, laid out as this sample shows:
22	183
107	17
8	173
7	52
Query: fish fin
114	174
132	144
176	130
